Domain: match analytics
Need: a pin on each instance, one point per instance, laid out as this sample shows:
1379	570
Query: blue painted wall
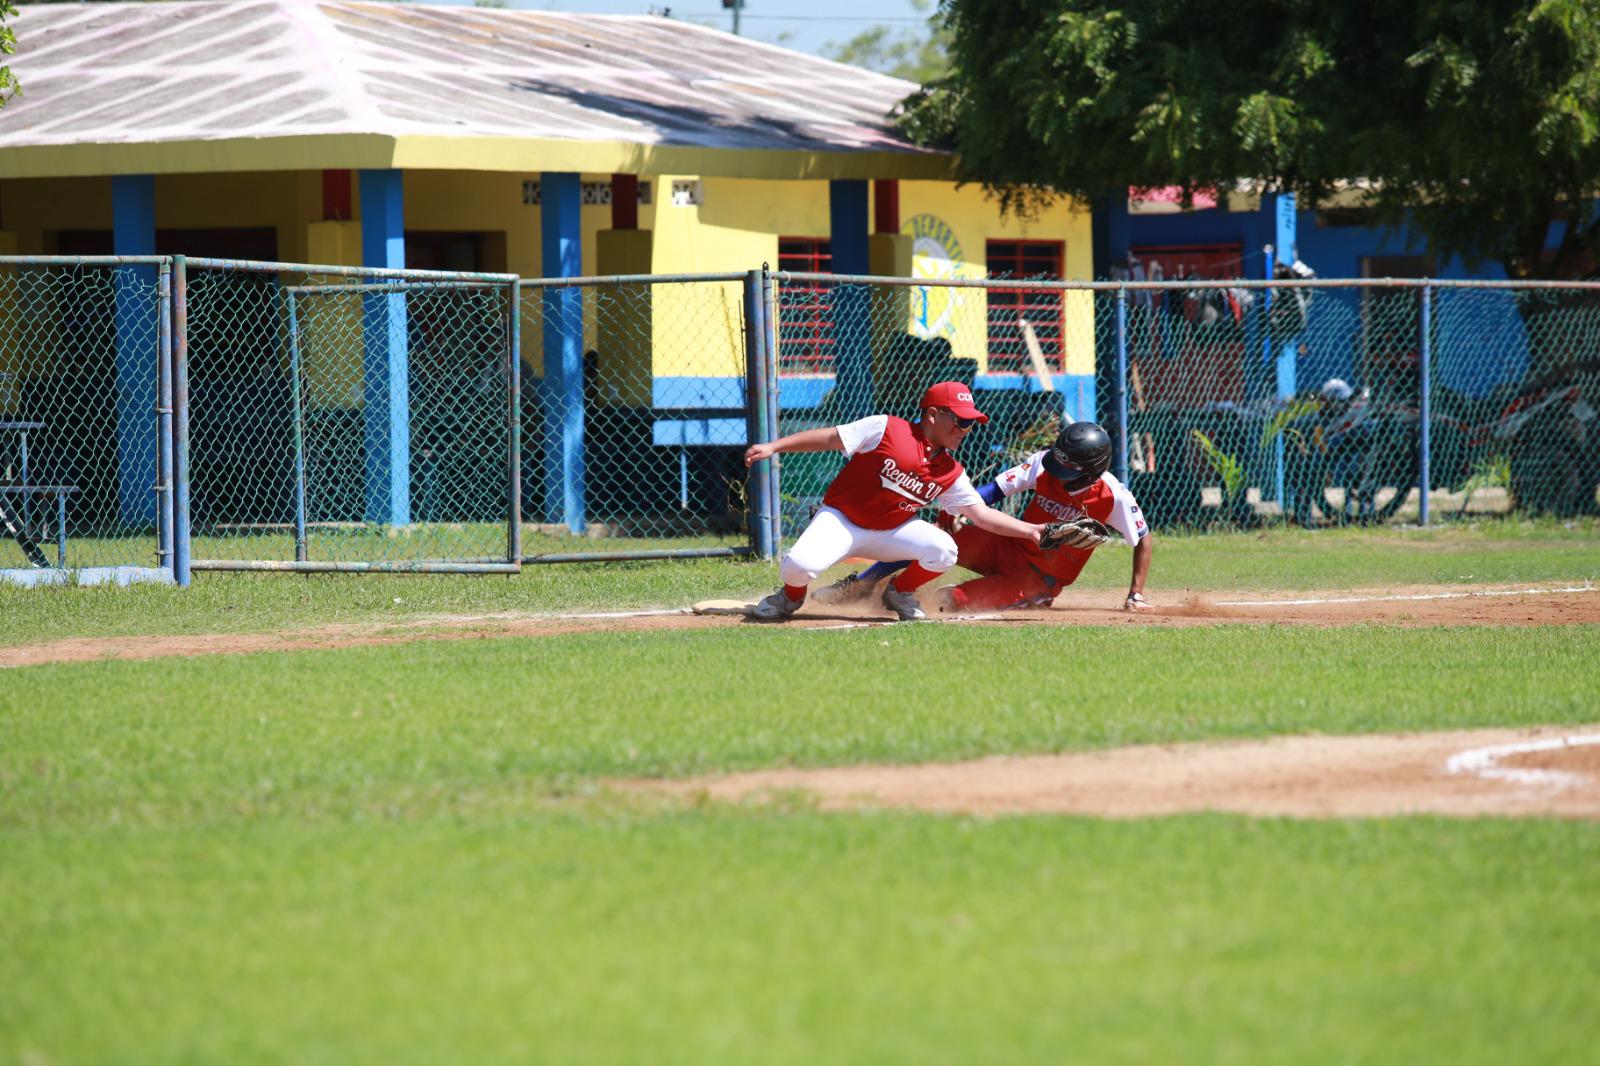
1479	339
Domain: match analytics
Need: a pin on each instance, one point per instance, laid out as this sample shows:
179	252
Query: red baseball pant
1010	573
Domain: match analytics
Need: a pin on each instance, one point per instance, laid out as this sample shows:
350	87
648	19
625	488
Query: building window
1010	308
805	310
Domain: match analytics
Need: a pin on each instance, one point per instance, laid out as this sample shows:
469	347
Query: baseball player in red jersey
1070	479
895	469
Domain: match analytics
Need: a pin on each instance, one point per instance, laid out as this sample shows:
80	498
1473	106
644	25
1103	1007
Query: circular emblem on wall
935	254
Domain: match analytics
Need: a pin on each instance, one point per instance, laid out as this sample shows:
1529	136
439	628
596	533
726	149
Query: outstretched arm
985	517
811	440
1141	570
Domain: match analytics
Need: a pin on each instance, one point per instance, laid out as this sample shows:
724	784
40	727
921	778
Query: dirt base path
1552	770
1421	605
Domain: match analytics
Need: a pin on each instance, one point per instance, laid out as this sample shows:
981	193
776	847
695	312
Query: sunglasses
961	423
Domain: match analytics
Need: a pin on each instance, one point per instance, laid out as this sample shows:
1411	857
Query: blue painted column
852	304
133	232
1112	235
560	196
1285	241
385	364
1288	348
1110	231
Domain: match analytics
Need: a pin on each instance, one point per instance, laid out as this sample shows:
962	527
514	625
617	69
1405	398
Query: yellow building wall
34	208
488	202
950	227
698	329
623	319
943	233
37	208
693	330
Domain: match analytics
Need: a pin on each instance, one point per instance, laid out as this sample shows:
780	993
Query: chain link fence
1232	403
348	419
1514	398
636	416
335	418
85	417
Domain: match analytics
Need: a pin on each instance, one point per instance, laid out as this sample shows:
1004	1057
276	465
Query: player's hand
1136	602
757	452
951	522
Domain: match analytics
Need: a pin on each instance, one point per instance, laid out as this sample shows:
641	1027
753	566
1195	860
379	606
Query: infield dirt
1411	606
1371	775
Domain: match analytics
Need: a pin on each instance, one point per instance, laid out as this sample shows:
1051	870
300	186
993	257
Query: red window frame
805	310
1008	350
1208	261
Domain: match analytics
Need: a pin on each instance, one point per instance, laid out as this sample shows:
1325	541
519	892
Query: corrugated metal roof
154	74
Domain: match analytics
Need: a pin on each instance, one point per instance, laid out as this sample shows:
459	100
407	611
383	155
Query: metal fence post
769	319
514	417
758	478
300	553
164	508
180	421
1425	384
1122	384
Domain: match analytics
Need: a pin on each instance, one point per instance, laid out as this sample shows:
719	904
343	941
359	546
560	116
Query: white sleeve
960	494
1025	475
1125	515
863	435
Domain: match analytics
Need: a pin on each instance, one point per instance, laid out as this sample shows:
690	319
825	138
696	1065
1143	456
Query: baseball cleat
851	588
777	607
903	604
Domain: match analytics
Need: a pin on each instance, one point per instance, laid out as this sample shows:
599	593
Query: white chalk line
1427	596
658	612
1484	762
890	622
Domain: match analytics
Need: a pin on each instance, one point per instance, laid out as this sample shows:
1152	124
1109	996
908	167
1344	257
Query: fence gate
85	420
351	419
642	394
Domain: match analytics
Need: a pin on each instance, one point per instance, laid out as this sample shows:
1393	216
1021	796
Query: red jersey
893	473
1105	500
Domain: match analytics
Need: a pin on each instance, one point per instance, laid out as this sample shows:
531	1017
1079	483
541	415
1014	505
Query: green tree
8	46
921	56
1480	119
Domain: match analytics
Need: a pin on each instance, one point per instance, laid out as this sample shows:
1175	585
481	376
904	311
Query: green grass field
407	853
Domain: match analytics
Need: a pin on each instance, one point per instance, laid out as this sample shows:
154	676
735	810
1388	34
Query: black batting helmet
1080	454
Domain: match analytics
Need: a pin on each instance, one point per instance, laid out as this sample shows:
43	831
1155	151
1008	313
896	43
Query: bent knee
798	571
940	553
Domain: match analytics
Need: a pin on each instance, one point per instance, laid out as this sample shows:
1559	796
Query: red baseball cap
955	397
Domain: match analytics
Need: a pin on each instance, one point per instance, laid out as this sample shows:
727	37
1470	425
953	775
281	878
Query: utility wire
801	18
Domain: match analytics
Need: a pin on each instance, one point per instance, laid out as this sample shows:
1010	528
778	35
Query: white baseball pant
831	537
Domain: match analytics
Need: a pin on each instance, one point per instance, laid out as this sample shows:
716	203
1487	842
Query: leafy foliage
921	56
9	86
1228	468
1482	119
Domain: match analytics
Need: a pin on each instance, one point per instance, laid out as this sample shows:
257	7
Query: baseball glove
1082	532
